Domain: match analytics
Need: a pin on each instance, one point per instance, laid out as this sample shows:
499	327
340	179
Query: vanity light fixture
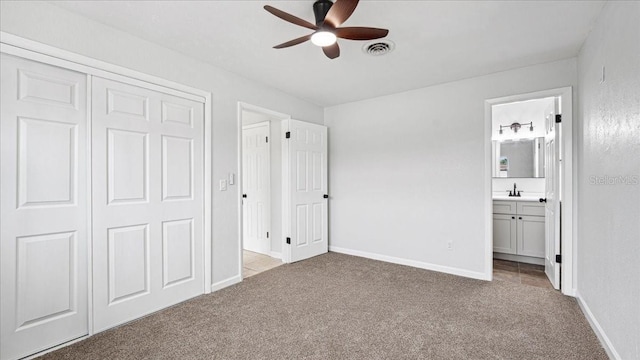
515	127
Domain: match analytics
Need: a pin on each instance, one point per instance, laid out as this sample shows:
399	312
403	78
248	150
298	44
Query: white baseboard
58	347
226	283
595	325
276	255
413	263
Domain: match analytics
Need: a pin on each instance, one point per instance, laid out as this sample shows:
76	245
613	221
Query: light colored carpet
343	307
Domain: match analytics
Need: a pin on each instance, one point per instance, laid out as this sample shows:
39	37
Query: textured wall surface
609	188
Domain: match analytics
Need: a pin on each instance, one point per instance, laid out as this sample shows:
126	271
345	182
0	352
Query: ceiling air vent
379	47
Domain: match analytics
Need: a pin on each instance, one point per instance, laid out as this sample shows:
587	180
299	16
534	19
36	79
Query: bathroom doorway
529	176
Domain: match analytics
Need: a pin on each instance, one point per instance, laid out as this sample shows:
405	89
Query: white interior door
305	190
552	205
147	201
256	187
44	208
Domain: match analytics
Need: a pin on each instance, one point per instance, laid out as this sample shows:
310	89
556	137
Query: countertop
530	197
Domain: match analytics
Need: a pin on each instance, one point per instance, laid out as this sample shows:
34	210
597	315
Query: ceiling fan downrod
320	10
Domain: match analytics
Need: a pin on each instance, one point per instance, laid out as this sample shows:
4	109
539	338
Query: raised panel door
43	207
306	173
256	174
148	201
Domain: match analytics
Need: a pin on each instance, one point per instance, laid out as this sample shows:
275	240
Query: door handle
544	200
325	196
244	196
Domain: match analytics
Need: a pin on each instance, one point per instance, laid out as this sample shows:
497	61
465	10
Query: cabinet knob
544	200
513	217
520	217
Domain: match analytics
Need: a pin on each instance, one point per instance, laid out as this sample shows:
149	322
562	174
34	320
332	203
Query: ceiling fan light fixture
323	38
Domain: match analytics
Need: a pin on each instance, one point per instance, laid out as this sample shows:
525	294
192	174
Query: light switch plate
223	185
232	178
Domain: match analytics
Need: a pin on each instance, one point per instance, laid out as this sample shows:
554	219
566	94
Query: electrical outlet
449	245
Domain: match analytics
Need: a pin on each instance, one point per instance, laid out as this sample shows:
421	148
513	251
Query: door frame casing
273	115
32	50
568	187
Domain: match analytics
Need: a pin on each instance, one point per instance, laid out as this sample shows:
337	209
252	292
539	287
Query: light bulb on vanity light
323	38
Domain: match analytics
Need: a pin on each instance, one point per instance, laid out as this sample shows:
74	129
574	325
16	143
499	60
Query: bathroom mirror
518	158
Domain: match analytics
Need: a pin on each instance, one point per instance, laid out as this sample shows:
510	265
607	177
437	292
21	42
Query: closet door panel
147	150
43	210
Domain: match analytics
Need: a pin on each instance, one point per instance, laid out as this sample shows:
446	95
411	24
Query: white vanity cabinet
518	228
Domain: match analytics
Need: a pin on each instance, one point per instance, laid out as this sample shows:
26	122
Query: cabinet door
504	233
531	236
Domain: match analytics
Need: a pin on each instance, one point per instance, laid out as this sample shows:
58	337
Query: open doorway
261	188
530	181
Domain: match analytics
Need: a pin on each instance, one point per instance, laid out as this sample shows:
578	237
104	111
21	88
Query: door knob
544	200
244	196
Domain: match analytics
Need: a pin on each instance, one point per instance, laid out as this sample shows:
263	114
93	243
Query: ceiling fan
329	16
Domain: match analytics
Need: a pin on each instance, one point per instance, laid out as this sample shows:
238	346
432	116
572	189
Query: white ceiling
436	41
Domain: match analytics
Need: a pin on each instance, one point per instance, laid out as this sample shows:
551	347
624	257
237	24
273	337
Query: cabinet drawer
504	207
530	208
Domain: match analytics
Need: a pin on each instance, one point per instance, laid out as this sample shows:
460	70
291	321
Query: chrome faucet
515	192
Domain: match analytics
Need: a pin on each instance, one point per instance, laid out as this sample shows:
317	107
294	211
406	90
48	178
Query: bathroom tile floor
254	263
520	273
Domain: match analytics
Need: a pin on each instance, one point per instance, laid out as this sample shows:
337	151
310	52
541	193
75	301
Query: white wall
52	25
521	112
609	214
407	171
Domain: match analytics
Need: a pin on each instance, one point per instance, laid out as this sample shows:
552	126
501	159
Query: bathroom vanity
519	229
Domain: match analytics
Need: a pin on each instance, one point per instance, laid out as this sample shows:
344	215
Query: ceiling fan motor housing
320	10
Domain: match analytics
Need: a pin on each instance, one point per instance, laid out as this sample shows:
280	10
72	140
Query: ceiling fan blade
340	12
332	51
297	41
360	33
290	18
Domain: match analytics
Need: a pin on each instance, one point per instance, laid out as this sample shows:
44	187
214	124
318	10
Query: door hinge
558	118
287	134
267	139
559	259
289	241
267	234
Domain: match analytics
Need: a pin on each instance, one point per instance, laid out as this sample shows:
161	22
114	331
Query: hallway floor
521	273
255	263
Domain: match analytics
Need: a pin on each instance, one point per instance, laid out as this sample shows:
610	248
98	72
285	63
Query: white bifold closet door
44	209
147	180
